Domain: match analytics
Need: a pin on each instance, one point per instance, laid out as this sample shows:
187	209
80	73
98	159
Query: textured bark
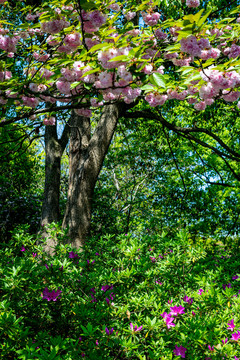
53	152
86	159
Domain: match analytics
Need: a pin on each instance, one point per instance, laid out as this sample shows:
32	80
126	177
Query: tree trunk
86	154
54	149
53	154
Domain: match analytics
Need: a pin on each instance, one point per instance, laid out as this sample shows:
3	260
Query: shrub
122	297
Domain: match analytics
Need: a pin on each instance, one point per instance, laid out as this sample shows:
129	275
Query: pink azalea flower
236	336
168	320
176	310
135	329
188	299
231	325
180	351
73	255
106	287
108	332
50	295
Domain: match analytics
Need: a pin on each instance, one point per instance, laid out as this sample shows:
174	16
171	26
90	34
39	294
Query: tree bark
54	149
86	154
53	154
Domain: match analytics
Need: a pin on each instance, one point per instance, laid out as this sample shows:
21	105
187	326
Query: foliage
116	282
20	192
158	179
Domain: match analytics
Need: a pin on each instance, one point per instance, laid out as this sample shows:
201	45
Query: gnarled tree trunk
87	154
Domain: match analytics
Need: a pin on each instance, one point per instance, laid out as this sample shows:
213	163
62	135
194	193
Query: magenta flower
231	325
153	259
73	255
200	291
93	298
34	255
106	287
180	351
227	285
50	295
235	277
168	320
109	332
88	261
188	299
177	310
97	343
23	248
224	341
158	282
236	336
135	329
211	348
170	301
164	314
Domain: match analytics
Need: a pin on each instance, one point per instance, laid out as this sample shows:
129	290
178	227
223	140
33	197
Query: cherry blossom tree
110	58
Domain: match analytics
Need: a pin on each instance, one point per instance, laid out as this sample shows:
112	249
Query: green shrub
122	298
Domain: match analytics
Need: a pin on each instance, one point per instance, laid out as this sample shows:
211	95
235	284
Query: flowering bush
176	307
88	59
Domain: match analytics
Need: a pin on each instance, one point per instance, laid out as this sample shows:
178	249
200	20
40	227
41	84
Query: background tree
20	172
108	60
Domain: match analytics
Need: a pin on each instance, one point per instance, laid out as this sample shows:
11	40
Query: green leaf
75	84
120	58
192	78
99	46
158	80
91	71
186	69
204	18
88	5
193	18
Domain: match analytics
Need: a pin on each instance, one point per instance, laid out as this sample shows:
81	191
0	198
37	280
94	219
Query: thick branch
186	132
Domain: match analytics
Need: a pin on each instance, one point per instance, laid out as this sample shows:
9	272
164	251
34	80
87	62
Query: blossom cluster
116	71
51	295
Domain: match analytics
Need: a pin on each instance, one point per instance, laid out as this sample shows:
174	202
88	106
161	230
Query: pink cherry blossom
49	121
30	101
192	3
54	26
130	15
83	112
